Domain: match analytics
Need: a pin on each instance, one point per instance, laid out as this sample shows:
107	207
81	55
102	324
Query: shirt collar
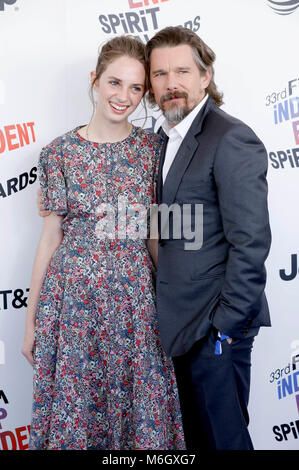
182	127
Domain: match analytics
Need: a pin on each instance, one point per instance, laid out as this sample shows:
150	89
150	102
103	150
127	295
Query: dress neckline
97	144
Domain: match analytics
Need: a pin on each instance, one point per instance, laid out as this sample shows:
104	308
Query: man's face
176	81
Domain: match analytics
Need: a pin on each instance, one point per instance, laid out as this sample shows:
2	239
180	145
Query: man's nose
171	82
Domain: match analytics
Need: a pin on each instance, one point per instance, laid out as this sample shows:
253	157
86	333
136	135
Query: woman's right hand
40	205
28	344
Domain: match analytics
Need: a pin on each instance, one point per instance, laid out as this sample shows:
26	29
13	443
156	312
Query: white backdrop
47	50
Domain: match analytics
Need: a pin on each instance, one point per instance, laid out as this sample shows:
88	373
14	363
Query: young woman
101	378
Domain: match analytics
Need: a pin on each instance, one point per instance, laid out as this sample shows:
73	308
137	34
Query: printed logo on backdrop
13	137
285	381
3	402
284	108
14	298
16	439
12	439
18	183
153	122
6	2
142	20
286	7
289	274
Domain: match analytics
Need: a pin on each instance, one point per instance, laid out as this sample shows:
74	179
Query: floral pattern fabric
101	378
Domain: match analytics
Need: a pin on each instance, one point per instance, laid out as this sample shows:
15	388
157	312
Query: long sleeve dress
101	378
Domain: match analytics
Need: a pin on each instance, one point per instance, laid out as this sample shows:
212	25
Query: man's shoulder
224	119
220	123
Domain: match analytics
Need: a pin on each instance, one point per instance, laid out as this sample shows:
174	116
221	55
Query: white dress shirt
176	135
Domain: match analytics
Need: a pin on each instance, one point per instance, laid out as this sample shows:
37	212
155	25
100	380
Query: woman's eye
113	82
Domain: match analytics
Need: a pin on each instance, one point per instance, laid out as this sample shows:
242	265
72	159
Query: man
210	300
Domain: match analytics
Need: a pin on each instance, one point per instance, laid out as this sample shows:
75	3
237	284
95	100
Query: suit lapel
178	168
161	163
183	157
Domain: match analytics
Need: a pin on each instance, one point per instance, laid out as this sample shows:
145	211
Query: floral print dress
101	378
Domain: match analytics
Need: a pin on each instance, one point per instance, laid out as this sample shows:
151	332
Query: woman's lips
119	109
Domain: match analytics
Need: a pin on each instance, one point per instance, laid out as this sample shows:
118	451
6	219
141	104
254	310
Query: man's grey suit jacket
222	165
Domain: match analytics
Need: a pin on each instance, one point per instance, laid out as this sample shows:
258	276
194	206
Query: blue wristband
218	347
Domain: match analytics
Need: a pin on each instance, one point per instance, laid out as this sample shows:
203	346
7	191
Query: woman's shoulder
60	143
150	138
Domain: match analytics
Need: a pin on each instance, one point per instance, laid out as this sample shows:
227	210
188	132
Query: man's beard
175	113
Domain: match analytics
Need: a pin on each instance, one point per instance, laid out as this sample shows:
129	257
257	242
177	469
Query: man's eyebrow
158	70
180	67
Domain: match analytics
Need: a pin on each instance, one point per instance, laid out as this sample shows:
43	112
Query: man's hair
204	57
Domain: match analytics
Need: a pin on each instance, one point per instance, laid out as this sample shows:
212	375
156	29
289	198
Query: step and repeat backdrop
47	50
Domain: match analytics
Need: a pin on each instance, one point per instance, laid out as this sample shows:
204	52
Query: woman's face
120	89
